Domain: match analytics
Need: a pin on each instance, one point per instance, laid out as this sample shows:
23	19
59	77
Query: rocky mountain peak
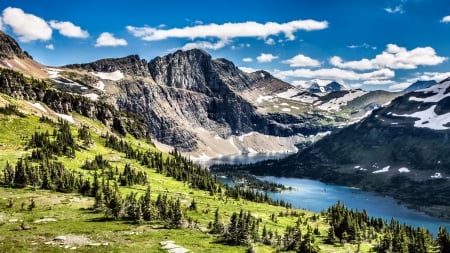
191	69
9	47
131	65
420	85
334	86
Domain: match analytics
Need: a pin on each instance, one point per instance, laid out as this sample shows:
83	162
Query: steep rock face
9	47
131	65
189	92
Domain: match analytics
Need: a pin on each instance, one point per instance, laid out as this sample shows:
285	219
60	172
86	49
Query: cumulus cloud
1	24
68	29
107	39
247	69
302	61
446	19
266	57
335	74
50	47
437	76
396	9
229	30
270	41
206	45
394	57
27	27
247	59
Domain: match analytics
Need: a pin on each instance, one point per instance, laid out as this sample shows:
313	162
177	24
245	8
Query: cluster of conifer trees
356	226
182	169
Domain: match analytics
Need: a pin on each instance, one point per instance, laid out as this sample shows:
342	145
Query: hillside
400	150
79	185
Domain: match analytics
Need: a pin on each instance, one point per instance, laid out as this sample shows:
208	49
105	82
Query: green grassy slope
71	214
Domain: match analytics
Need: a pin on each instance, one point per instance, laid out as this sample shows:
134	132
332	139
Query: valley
101	157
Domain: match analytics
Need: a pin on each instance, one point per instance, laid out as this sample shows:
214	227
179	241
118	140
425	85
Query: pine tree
217	226
177	215
146	205
443	240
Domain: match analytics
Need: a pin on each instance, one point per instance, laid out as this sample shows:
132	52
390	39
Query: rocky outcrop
131	65
9	48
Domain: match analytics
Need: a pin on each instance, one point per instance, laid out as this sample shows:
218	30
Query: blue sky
382	44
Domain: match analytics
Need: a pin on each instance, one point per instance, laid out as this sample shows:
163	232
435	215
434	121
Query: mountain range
393	143
202	106
400	150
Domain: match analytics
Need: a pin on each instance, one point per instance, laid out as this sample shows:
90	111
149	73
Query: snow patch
113	76
38	106
53	73
261	99
294	107
286	109
284	104
91	96
336	103
100	85
429	119
385	169
404	170
436	175
437	89
66	117
357	167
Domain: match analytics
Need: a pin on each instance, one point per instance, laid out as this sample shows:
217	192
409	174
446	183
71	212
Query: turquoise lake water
316	196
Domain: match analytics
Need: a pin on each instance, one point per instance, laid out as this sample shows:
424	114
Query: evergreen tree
443	240
146	205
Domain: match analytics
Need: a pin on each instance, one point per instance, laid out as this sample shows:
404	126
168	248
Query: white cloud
206	45
247	69
68	29
107	39
437	76
302	61
240	45
394	57
335	74
270	41
229	30
364	45
27	27
247	59
396	9
50	47
378	82
445	19
1	24
266	57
